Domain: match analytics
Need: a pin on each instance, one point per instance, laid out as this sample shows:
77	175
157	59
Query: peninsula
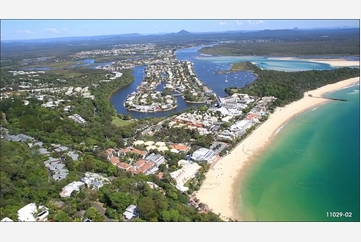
178	79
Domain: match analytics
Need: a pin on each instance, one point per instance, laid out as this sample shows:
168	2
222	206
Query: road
101	210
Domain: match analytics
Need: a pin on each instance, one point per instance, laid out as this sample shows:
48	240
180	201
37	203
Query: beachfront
332	62
218	190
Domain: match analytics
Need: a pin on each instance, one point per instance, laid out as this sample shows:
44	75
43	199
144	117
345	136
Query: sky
39	29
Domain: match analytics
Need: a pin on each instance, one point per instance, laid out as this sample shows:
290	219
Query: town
177	150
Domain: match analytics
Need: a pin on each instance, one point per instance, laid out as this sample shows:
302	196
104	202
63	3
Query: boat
226	80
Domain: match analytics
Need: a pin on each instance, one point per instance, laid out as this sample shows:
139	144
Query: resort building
187	172
203	154
157	159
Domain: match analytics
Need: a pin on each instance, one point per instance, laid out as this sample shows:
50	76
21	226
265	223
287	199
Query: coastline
219	190
332	62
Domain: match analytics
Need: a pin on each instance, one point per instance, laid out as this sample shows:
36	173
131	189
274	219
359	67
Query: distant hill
183	32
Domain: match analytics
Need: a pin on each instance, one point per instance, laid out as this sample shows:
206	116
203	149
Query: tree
93	214
119	201
147	209
61	216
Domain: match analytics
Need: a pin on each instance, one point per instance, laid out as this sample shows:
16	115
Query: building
187	172
203	154
180	147
6	219
32	213
131	212
157	159
68	189
20	138
94	180
57	169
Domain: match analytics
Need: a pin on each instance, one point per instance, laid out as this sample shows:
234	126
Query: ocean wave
279	129
354	92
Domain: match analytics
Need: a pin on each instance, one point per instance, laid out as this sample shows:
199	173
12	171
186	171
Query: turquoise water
312	167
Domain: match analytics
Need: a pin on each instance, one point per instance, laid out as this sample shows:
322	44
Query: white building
94	180
241	125
68	189
32	213
187	172
6	219
203	154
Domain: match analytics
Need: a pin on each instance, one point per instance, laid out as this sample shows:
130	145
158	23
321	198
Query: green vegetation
53	126
290	86
288	48
24	180
121	122
240	66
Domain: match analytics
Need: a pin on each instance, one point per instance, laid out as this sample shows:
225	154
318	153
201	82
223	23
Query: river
205	67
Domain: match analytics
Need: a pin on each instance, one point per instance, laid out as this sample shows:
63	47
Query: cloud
239	22
155	26
29	31
65	29
53	30
255	22
223	23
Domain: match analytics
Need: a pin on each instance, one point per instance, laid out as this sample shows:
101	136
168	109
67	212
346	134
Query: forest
290	86
24	179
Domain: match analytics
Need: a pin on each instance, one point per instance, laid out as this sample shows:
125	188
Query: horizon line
165	33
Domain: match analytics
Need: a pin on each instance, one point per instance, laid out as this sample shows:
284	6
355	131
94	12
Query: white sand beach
332	62
217	191
335	62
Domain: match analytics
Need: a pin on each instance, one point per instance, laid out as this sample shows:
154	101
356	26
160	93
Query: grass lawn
120	122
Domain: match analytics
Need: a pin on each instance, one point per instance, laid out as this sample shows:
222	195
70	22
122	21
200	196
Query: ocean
311	171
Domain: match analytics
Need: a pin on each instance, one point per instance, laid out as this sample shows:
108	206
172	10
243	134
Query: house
32	213
58	169
73	155
141	153
19	138
61	149
94	180
68	189
43	151
131	212
6	219
180	147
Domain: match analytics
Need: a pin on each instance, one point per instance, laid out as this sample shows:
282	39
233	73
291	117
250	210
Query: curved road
101	210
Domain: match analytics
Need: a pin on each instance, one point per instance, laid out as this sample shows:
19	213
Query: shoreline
334	62
220	188
135	110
